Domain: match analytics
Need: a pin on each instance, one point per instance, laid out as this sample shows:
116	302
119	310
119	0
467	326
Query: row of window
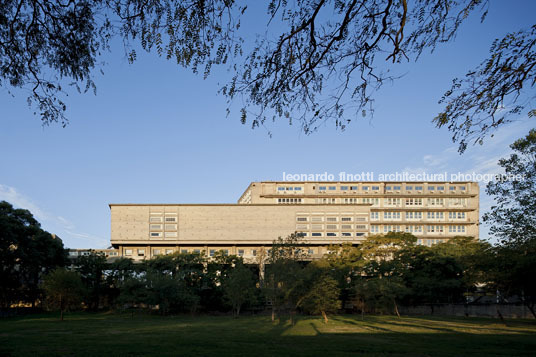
168	227
289	188
141	252
158	219
289	200
387	202
163	234
332	234
331	226
410	215
388	188
374	228
331	219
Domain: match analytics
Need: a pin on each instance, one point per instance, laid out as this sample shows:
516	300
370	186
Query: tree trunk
396	309
325	316
500	315
61	308
273	313
531	308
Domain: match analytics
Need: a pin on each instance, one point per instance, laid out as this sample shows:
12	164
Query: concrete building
324	212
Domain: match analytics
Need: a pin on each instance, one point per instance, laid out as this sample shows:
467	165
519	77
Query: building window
171	234
169	251
344	188
375	188
418	188
141	252
156	234
197	251
365	188
171	227
431	188
332	188
302	234
240	252
321	188
301	219
128	252
346	226
435	202
281	189
316	234
374	216
331	234
346	219
375	228
155	219
297	188
346	234
317	219
184	251
353	188
359	234
212	252
462	202
462	188
311	251
156	252
156	226
441	188
413	201
360	226
435	215
254	252
409	188
331	226
392	201
331	219
452	188
413	215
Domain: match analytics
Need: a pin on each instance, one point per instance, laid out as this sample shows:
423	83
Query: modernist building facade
324	212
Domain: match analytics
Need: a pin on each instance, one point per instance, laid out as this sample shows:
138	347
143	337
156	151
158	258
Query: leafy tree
345	264
64	289
323	297
494	93
319	60
283	266
92	269
239	287
512	273
26	253
513	217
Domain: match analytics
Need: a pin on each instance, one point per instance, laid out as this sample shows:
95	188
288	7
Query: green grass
121	334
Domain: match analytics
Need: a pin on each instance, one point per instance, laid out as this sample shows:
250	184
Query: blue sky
156	133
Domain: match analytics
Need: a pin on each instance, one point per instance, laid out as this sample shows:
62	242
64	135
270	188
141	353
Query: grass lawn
116	334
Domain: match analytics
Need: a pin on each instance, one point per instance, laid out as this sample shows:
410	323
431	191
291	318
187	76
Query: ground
123	334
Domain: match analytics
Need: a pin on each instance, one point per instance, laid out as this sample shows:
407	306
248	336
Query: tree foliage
513	217
64	289
26	253
494	93
316	61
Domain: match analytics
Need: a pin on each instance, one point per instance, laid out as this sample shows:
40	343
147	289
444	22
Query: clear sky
156	133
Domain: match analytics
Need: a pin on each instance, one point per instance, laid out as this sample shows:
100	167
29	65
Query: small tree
323	297
239	287
64	289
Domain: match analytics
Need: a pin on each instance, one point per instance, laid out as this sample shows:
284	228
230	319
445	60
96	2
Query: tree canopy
317	61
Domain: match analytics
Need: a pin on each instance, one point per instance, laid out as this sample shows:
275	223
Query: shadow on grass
108	334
